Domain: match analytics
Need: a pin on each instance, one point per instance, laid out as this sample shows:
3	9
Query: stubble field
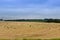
35	30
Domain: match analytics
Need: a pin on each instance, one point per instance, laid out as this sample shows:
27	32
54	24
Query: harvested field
12	30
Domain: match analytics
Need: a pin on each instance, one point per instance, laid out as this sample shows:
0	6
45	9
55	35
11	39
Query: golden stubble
29	29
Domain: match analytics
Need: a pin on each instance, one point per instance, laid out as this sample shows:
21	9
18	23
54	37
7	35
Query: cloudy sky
30	9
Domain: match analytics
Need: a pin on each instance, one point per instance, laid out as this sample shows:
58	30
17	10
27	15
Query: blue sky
29	9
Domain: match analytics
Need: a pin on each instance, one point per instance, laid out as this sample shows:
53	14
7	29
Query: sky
29	9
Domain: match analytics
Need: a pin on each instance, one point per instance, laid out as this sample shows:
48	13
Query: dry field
11	30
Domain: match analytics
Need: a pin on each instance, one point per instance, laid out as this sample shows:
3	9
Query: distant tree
52	20
1	19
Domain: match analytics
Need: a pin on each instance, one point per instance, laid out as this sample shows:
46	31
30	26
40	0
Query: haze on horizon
29	9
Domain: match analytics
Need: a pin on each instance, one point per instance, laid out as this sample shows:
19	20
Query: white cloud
30	12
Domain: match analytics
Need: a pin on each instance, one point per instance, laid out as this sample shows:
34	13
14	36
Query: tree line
35	20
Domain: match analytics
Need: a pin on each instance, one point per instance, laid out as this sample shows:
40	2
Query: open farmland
12	30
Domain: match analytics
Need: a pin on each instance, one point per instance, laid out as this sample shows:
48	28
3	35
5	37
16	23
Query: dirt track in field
29	29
